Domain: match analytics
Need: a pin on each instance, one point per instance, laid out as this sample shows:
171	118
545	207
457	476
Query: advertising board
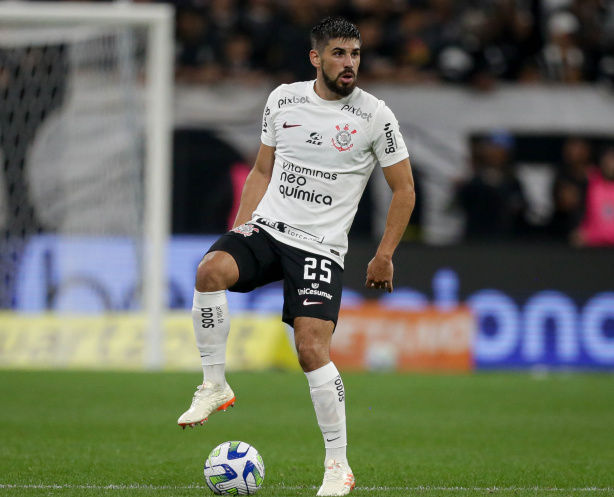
530	306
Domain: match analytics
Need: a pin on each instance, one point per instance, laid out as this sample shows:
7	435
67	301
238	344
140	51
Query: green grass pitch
115	434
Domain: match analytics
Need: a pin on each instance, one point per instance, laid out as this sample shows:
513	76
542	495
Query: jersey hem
288	241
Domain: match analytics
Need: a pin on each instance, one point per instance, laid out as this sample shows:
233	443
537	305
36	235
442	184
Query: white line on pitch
391	489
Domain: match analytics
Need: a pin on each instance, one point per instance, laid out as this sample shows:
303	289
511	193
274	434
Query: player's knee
213	274
311	355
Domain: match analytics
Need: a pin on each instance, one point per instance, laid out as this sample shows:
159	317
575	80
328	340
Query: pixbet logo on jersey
343	139
357	112
292	100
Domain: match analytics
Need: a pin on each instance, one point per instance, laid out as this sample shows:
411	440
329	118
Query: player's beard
336	85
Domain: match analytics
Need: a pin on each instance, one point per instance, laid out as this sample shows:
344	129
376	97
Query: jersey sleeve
388	144
268	128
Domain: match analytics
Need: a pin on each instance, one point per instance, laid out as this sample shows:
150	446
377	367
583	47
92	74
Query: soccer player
320	142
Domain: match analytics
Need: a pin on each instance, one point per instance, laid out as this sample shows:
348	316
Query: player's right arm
260	176
256	184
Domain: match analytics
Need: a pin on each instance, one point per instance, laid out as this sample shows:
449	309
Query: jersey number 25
311	265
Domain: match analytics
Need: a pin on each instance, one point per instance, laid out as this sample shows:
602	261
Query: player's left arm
400	179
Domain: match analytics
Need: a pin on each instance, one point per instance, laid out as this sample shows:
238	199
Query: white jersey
325	152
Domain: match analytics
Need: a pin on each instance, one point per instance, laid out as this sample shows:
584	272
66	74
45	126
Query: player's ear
314	57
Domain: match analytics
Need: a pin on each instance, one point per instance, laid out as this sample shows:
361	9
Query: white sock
328	397
211	322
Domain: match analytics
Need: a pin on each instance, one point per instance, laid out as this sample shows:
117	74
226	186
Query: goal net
84	147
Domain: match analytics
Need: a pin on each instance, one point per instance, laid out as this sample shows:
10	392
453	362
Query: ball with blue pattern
234	468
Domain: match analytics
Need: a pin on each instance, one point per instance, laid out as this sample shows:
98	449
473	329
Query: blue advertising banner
548	325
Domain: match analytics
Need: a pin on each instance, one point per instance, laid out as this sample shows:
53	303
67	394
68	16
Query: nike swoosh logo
306	302
286	125
332	439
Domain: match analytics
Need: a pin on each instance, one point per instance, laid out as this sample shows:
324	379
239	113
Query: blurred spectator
237	62
370	9
562	59
492	198
597	227
605	50
291	47
570	187
521	41
415	36
224	16
195	47
376	62
331	7
260	22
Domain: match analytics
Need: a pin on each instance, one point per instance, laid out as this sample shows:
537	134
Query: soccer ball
234	468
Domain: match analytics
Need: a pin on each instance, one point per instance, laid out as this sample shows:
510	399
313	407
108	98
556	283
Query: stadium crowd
476	42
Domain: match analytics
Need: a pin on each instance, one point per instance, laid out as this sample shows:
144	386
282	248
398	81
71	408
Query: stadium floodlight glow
24	24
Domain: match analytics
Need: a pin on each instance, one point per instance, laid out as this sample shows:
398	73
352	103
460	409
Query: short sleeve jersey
325	152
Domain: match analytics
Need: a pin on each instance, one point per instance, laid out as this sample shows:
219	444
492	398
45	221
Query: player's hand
379	274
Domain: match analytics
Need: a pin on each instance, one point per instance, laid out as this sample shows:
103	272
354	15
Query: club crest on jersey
246	229
343	139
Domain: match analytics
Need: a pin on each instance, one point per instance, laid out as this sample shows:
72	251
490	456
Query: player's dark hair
329	29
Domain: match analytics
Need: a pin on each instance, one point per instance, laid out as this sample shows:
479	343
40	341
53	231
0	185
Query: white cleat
207	399
338	479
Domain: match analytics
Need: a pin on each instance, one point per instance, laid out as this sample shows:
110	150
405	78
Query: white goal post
158	22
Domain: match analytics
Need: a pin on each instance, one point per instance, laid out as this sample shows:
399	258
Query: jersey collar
330	103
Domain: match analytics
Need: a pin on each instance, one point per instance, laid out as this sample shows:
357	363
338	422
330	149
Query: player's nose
349	61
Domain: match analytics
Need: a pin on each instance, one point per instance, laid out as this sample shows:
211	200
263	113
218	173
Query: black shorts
312	282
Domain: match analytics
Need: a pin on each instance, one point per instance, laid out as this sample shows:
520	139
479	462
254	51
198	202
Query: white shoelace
333	474
201	390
